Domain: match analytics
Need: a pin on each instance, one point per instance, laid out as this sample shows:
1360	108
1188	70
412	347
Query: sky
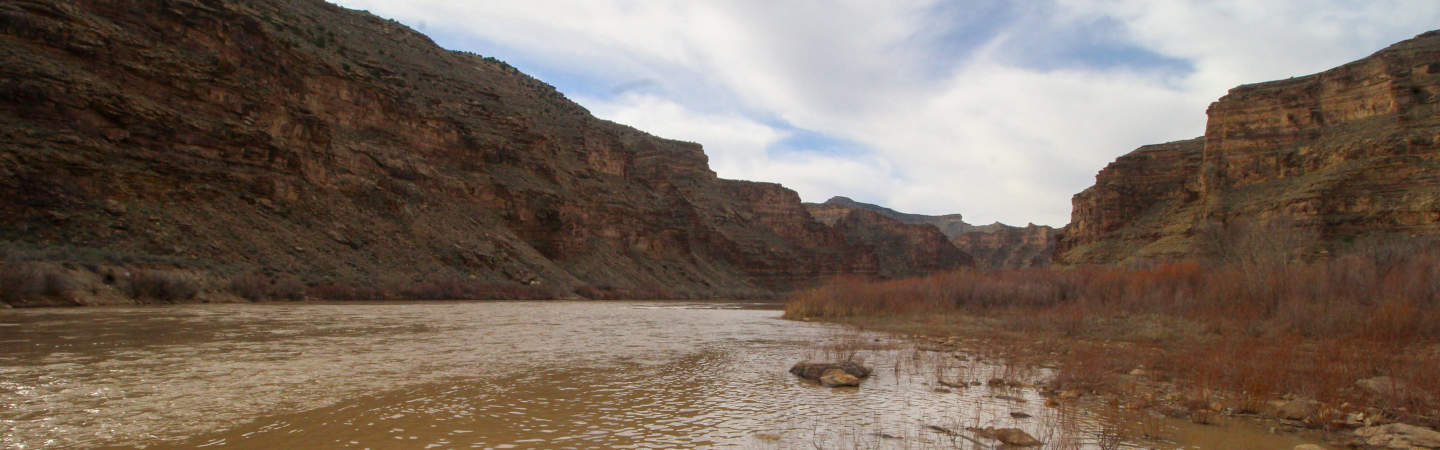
999	110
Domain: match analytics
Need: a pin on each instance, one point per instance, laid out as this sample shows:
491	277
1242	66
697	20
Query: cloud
741	148
996	109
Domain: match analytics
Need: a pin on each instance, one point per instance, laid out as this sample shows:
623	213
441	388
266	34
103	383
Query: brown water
509	375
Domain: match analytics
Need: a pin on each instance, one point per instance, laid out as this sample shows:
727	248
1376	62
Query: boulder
1399	435
1299	409
814	370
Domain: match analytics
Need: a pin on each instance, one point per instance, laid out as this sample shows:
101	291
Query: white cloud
739	147
972	129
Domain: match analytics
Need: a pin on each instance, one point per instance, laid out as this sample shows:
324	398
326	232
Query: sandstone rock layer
994	246
1336	156
297	137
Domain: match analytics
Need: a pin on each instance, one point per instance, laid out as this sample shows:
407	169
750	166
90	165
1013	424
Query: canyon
299	141
302	143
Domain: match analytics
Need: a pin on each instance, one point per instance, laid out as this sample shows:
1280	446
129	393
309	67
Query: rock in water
838	378
1017	437
831	374
1399	435
814	370
1009	436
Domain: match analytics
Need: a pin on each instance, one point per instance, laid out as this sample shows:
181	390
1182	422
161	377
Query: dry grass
1255	330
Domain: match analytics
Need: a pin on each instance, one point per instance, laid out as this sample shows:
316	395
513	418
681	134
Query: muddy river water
513	375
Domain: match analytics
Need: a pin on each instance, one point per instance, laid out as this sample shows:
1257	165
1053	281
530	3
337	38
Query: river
511	375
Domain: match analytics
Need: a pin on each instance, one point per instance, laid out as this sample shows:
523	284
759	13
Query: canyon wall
989	246
299	139
902	249
1322	160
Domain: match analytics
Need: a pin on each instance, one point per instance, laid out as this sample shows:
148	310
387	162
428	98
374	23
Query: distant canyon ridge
298	140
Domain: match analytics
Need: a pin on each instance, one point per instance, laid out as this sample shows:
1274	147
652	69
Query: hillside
301	141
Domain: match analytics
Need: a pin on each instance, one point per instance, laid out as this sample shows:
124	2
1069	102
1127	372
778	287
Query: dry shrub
162	286
1375	296
464	289
331	291
256	287
617	293
1090	368
24	282
1257	327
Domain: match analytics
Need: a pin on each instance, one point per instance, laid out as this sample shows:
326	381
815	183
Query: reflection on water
501	375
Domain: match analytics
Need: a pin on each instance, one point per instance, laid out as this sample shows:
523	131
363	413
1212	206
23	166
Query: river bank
1337	346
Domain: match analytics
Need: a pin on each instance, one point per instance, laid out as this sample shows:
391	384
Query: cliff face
300	138
996	245
1007	246
950	224
901	249
1347	152
1143	204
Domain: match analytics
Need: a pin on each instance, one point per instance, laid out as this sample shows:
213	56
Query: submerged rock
1008	436
1399	435
815	370
838	378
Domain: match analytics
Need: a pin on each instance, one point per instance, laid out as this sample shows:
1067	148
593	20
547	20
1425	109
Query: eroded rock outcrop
1142	205
1006	246
900	249
302	138
996	245
1348	152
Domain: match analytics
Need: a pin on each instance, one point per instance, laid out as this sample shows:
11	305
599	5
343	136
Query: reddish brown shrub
162	286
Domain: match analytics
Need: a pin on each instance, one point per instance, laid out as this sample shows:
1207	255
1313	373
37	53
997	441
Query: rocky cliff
901	249
1006	246
1144	204
1331	157
950	224
296	139
996	245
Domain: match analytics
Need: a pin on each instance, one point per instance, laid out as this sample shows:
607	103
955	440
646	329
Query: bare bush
1258	327
162	286
24	281
257	287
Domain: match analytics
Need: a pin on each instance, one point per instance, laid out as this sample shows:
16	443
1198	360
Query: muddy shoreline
1138	391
